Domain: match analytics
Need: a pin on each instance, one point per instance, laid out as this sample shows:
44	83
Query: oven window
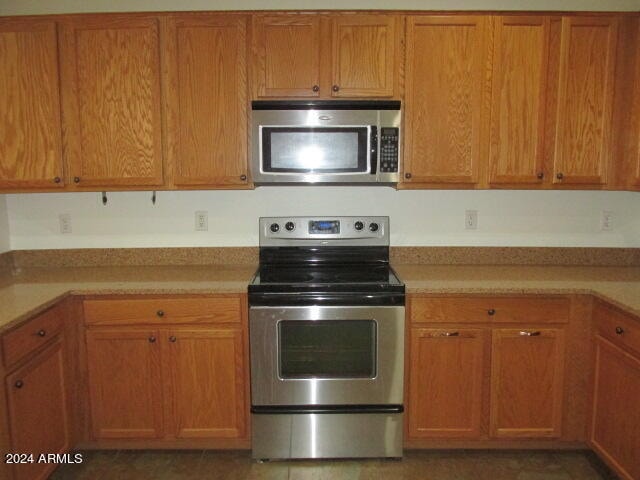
327	349
314	150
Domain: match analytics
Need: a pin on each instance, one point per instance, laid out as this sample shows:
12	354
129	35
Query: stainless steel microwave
330	141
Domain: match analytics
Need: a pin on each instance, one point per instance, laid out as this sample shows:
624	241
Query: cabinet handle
530	334
316	88
152	339
491	311
57	180
450	334
559	176
42	333
76	179
243	177
407	175
19	384
172	339
619	330
540	175
335	88
160	313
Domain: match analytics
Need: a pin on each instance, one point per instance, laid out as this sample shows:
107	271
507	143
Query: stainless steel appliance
332	141
326	327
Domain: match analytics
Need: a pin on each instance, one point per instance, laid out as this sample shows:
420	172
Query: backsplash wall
5	238
421	218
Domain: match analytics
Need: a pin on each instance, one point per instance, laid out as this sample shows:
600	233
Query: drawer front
20	342
623	330
219	309
489	309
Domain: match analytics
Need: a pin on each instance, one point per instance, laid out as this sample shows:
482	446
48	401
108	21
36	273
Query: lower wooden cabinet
445	386
615	428
38	410
183	382
527	367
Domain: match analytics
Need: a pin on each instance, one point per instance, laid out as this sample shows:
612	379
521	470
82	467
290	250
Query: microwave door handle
373	150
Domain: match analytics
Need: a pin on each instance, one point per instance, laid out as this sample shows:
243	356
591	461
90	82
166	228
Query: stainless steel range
326	326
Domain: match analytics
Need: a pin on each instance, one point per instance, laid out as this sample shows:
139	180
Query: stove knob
359	225
373	227
290	226
274	227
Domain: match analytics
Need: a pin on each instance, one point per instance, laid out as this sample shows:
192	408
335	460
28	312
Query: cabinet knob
243	177
160	313
530	334
619	330
42	333
57	180
76	179
335	88
540	175
152	339
19	384
407	175
316	88
491	311
559	176
173	339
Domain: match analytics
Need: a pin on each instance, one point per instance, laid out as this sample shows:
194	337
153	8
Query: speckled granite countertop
34	289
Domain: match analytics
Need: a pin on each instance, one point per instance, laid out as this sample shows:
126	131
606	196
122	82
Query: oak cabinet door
364	55
207	382
125	383
207	100
521	49
527	369
30	137
111	93
445	62
38	411
287	55
585	100
445	389
615	428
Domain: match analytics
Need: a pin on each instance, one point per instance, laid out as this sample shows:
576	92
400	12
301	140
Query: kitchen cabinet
175	371
30	130
111	100
446	382
527	367
325	56
521	52
445	114
585	100
206	100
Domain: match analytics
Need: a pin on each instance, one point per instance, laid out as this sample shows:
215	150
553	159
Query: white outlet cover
202	221
606	221
65	223
471	220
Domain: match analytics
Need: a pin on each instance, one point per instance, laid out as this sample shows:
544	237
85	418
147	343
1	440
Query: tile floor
416	465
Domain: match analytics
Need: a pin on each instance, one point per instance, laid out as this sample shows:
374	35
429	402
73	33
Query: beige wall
4	225
34	7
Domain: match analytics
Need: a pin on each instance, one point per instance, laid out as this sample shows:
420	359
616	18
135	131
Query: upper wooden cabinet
111	95
206	100
521	51
30	132
446	62
293	59
585	100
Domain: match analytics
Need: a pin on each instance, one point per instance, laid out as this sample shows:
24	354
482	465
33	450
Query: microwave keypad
389	149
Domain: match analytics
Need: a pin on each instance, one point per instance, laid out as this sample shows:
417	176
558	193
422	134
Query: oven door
326	355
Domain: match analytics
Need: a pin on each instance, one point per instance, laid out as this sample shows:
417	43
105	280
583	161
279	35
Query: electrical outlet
471	219
606	221
202	221
65	222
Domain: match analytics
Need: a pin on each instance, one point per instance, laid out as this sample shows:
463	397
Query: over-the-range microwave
332	141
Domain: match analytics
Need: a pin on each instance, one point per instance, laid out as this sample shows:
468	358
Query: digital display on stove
324	226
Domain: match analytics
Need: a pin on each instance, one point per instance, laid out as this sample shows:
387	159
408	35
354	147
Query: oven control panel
284	231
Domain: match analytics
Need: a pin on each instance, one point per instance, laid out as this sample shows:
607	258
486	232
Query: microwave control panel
389	149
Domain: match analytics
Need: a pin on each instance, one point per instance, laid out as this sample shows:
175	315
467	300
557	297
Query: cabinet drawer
621	329
489	309
222	309
20	342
